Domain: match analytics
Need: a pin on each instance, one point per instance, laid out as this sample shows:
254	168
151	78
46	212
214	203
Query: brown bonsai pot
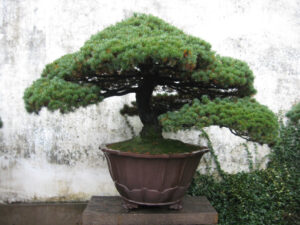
152	180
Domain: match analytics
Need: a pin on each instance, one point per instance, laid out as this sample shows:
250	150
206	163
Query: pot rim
202	150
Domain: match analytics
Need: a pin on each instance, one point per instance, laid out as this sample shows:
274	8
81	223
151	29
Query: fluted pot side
152	179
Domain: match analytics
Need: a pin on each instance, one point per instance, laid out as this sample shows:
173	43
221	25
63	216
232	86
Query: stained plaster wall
56	157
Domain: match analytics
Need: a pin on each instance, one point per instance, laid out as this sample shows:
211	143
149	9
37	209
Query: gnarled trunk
151	128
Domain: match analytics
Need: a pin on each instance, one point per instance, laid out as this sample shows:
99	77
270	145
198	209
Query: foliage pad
58	94
244	117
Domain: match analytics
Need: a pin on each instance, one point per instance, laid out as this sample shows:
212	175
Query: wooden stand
109	211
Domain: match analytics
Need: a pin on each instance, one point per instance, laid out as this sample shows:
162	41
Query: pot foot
176	206
129	206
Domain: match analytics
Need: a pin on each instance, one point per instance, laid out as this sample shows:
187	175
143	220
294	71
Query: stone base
109	211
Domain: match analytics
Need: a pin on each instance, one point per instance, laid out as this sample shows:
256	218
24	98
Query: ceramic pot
152	180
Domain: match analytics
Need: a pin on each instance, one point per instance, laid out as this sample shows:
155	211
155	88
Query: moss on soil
153	146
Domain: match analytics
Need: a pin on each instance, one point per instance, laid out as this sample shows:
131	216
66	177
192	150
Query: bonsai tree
178	81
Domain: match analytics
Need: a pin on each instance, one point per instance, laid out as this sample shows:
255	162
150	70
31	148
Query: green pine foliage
143	54
270	196
244	117
294	113
58	94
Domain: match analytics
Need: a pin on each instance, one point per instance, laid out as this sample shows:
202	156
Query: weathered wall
53	156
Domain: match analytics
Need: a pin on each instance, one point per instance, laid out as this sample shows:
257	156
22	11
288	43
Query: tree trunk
151	128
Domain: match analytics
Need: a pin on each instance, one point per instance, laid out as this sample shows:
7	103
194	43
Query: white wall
56	157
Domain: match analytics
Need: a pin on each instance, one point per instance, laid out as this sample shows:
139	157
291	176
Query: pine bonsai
147	56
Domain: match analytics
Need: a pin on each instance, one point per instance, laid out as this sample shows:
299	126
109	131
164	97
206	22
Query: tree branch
240	135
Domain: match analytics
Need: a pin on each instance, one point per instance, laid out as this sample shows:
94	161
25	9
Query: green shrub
294	113
270	196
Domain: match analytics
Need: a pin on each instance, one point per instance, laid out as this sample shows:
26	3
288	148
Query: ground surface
42	213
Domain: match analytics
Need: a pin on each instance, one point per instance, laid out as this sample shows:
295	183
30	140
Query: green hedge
270	196
294	114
